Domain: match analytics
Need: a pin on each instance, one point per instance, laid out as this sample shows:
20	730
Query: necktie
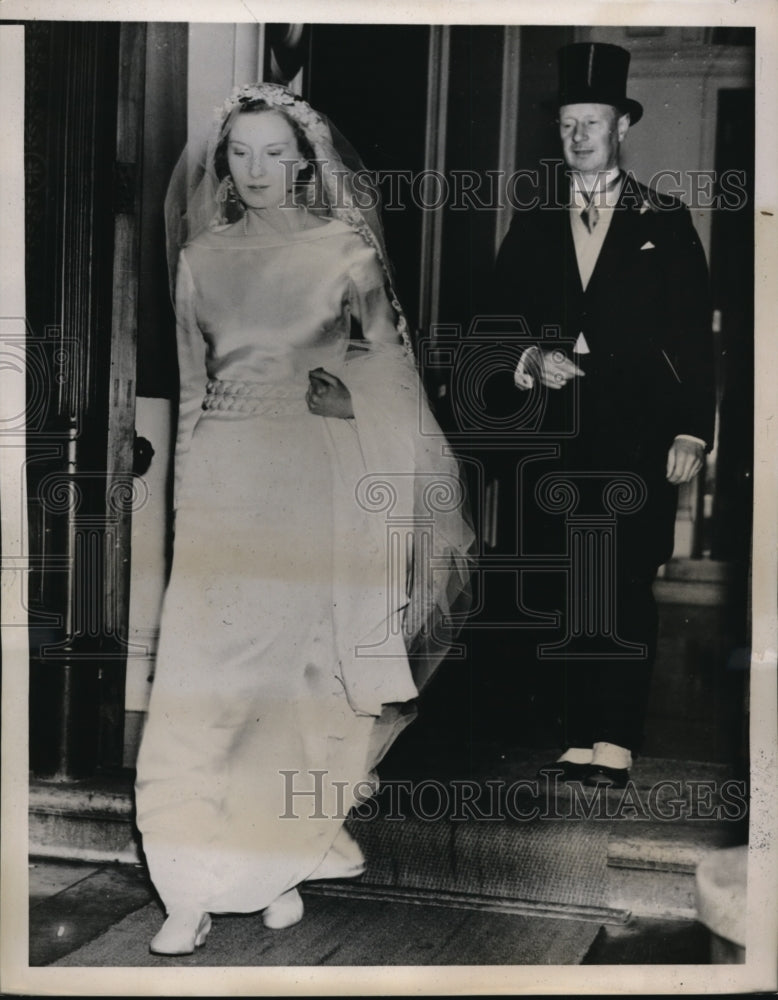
590	214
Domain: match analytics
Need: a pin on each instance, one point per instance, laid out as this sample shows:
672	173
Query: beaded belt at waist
238	396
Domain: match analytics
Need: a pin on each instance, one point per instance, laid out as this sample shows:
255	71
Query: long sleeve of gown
393	459
382	389
191	369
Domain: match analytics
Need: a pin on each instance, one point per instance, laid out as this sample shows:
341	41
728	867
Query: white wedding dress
282	630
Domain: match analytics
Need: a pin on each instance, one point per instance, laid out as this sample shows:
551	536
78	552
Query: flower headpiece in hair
274	95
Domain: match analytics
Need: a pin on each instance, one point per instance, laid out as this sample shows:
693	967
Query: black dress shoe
599	776
570	771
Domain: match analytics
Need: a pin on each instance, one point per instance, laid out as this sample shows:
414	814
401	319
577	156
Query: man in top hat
619	271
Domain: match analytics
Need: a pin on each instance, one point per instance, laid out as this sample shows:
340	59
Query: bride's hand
327	396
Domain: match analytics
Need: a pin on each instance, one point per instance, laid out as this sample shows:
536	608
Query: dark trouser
601	684
605	700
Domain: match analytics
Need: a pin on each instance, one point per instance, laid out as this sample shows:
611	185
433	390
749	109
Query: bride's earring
226	191
304	186
297	167
231	208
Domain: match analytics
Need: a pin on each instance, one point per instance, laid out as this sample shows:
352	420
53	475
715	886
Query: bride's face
258	143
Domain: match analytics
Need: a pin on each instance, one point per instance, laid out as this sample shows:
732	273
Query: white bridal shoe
284	911
181	933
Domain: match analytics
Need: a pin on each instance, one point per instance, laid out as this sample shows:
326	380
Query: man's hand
684	461
553	368
327	396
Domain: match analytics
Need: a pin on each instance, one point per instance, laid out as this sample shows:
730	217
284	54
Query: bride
320	541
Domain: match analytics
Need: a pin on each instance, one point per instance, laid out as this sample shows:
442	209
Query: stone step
625	857
89	820
651	869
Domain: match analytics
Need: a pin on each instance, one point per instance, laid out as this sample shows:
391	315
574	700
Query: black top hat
596	73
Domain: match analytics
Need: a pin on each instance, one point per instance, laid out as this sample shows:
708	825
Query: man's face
591	135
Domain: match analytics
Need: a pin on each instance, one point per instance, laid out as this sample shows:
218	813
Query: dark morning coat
646	318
